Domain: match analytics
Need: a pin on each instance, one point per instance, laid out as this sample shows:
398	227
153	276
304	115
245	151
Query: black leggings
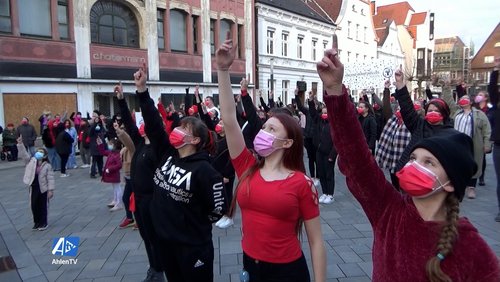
146	230
311	155
187	263
259	271
126	197
38	203
326	172
64	161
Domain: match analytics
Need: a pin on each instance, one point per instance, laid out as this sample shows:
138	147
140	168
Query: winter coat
9	137
94	133
127	151
481	131
113	165
27	131
64	142
45	176
369	126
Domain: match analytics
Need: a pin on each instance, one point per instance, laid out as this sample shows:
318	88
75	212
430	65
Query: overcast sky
470	20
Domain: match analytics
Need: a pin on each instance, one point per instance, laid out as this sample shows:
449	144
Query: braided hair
448	236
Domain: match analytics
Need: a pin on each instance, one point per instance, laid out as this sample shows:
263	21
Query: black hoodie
188	193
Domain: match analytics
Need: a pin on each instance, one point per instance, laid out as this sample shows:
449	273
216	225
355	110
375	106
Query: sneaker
112	204
42	227
316	182
35	227
471	193
127	223
116	208
85	166
135	227
65	175
481	182
224	222
322	198
497	218
93	176
328	199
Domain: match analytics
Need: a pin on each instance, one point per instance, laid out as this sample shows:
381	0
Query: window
212	36
269	84
62	18
178	40
225	26
349	29
325	45
497	44
241	41
113	23
5	25
284	90
314	43
357	32
195	34
284	44
270	41
354	8
489	59
340	52
364	34
34	17
300	41
160	27
348	56
420	54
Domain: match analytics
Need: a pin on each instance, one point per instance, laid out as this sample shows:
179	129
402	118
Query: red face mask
207	103
219	128
433	117
360	111
463	102
177	137
193	110
376	107
24	122
417	106
324	116
393	99
417	180
398	115
142	132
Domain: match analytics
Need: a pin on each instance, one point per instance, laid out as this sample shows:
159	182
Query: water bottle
244	276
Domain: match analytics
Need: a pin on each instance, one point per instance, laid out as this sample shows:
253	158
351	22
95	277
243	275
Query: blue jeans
496	163
72	159
54	158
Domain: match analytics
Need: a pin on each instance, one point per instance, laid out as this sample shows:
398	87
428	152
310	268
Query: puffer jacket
45	176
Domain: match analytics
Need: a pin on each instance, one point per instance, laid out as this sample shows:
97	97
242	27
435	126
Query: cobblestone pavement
107	253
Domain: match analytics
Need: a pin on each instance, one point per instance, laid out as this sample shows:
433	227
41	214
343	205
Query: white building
291	39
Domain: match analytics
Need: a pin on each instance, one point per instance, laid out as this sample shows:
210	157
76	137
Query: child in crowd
111	170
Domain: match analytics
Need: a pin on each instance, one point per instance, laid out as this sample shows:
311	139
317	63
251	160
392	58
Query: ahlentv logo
65	246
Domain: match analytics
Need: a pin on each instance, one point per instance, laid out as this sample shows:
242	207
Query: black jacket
322	138
369	126
493	91
254	123
188	193
416	124
64	142
309	129
221	161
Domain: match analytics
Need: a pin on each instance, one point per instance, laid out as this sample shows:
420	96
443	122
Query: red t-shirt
271	210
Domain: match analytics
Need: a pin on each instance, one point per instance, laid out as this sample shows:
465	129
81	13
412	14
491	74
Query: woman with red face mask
275	196
436	120
475	124
188	193
418	236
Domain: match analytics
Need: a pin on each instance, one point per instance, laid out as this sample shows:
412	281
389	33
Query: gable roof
382	29
331	8
488	49
418	18
444	45
396	11
297	7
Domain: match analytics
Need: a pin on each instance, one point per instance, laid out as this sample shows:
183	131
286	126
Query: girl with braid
418	236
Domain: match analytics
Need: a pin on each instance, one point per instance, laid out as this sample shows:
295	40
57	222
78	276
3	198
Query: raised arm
365	179
448	98
299	103
386	102
224	58
127	120
410	116
263	103
124	138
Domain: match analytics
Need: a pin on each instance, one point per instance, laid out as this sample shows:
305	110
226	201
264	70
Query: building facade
483	62
291	38
62	55
451	58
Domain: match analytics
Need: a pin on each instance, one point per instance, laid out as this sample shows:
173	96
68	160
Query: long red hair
293	159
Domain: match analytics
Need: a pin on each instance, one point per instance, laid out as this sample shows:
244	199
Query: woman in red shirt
418	236
274	194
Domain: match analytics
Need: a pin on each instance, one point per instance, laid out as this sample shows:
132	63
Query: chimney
372	8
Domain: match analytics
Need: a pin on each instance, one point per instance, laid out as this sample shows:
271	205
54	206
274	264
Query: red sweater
403	241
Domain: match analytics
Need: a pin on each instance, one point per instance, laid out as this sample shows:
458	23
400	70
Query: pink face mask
263	143
479	99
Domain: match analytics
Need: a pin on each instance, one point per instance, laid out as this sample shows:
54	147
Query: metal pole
272	75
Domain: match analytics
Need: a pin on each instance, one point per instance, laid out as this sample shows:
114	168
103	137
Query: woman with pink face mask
188	193
418	236
275	196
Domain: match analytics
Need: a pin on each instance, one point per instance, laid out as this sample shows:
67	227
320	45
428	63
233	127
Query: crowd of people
179	168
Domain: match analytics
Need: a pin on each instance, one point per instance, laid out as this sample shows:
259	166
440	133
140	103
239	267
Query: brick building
483	62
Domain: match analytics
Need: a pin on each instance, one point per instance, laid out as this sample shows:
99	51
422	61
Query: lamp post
272	74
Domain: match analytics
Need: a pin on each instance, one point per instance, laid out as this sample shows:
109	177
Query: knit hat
455	153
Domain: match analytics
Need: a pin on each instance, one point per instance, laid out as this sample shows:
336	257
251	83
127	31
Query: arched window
113	23
225	26
178	40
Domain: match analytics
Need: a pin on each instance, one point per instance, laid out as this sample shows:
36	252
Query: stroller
5	154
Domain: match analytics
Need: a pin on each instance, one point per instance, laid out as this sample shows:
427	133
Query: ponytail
447	238
210	145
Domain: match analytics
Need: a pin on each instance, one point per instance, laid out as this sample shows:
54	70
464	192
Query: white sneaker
65	175
85	166
328	199
116	208
225	222
316	182
322	198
